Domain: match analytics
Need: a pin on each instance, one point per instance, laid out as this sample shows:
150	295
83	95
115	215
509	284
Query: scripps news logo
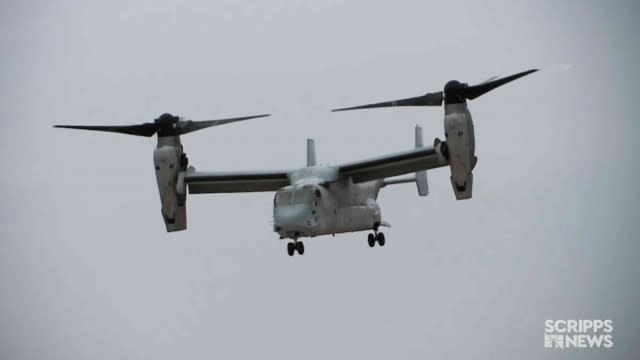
566	334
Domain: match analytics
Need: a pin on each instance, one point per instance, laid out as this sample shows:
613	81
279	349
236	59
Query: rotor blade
490	79
474	91
188	126
430	99
146	129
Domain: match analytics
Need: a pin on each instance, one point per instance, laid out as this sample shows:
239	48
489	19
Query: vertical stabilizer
311	152
421	176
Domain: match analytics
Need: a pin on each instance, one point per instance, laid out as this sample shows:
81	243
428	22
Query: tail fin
421	176
311	152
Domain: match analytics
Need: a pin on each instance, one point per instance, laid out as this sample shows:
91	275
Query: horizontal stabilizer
422	183
403	180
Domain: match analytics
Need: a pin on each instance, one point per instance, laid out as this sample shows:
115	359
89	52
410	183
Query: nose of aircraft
294	218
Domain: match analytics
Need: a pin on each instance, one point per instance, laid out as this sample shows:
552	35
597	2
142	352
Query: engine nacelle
460	138
461	175
168	162
462	185
461	162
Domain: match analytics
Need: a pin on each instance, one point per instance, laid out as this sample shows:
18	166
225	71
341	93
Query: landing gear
292	247
300	247
376	237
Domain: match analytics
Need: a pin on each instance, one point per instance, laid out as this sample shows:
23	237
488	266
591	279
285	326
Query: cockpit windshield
283	198
302	196
293	197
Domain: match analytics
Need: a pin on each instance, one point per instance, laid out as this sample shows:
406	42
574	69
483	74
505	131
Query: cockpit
295	210
306	195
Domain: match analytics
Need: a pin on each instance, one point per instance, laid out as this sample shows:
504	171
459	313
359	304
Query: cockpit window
283	198
293	197
298	196
301	197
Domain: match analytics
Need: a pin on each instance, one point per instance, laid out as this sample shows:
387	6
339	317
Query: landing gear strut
377	236
294	246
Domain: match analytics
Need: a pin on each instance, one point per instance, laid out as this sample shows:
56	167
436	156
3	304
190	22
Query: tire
372	240
380	239
290	249
300	248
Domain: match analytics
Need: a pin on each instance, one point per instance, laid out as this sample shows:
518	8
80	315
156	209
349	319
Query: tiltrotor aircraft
319	199
325	199
459	147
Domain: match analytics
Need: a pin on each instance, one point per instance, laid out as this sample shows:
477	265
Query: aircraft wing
400	163
231	182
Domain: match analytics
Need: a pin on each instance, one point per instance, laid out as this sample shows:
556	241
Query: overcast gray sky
88	271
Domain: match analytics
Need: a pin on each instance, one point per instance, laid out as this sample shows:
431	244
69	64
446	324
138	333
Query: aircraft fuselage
314	209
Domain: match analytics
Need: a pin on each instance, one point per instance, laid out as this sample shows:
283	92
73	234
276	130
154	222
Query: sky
88	271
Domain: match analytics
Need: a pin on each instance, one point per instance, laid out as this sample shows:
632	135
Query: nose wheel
378	237
292	247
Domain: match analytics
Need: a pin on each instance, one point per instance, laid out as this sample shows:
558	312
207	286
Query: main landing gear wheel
372	240
376	237
292	247
300	247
